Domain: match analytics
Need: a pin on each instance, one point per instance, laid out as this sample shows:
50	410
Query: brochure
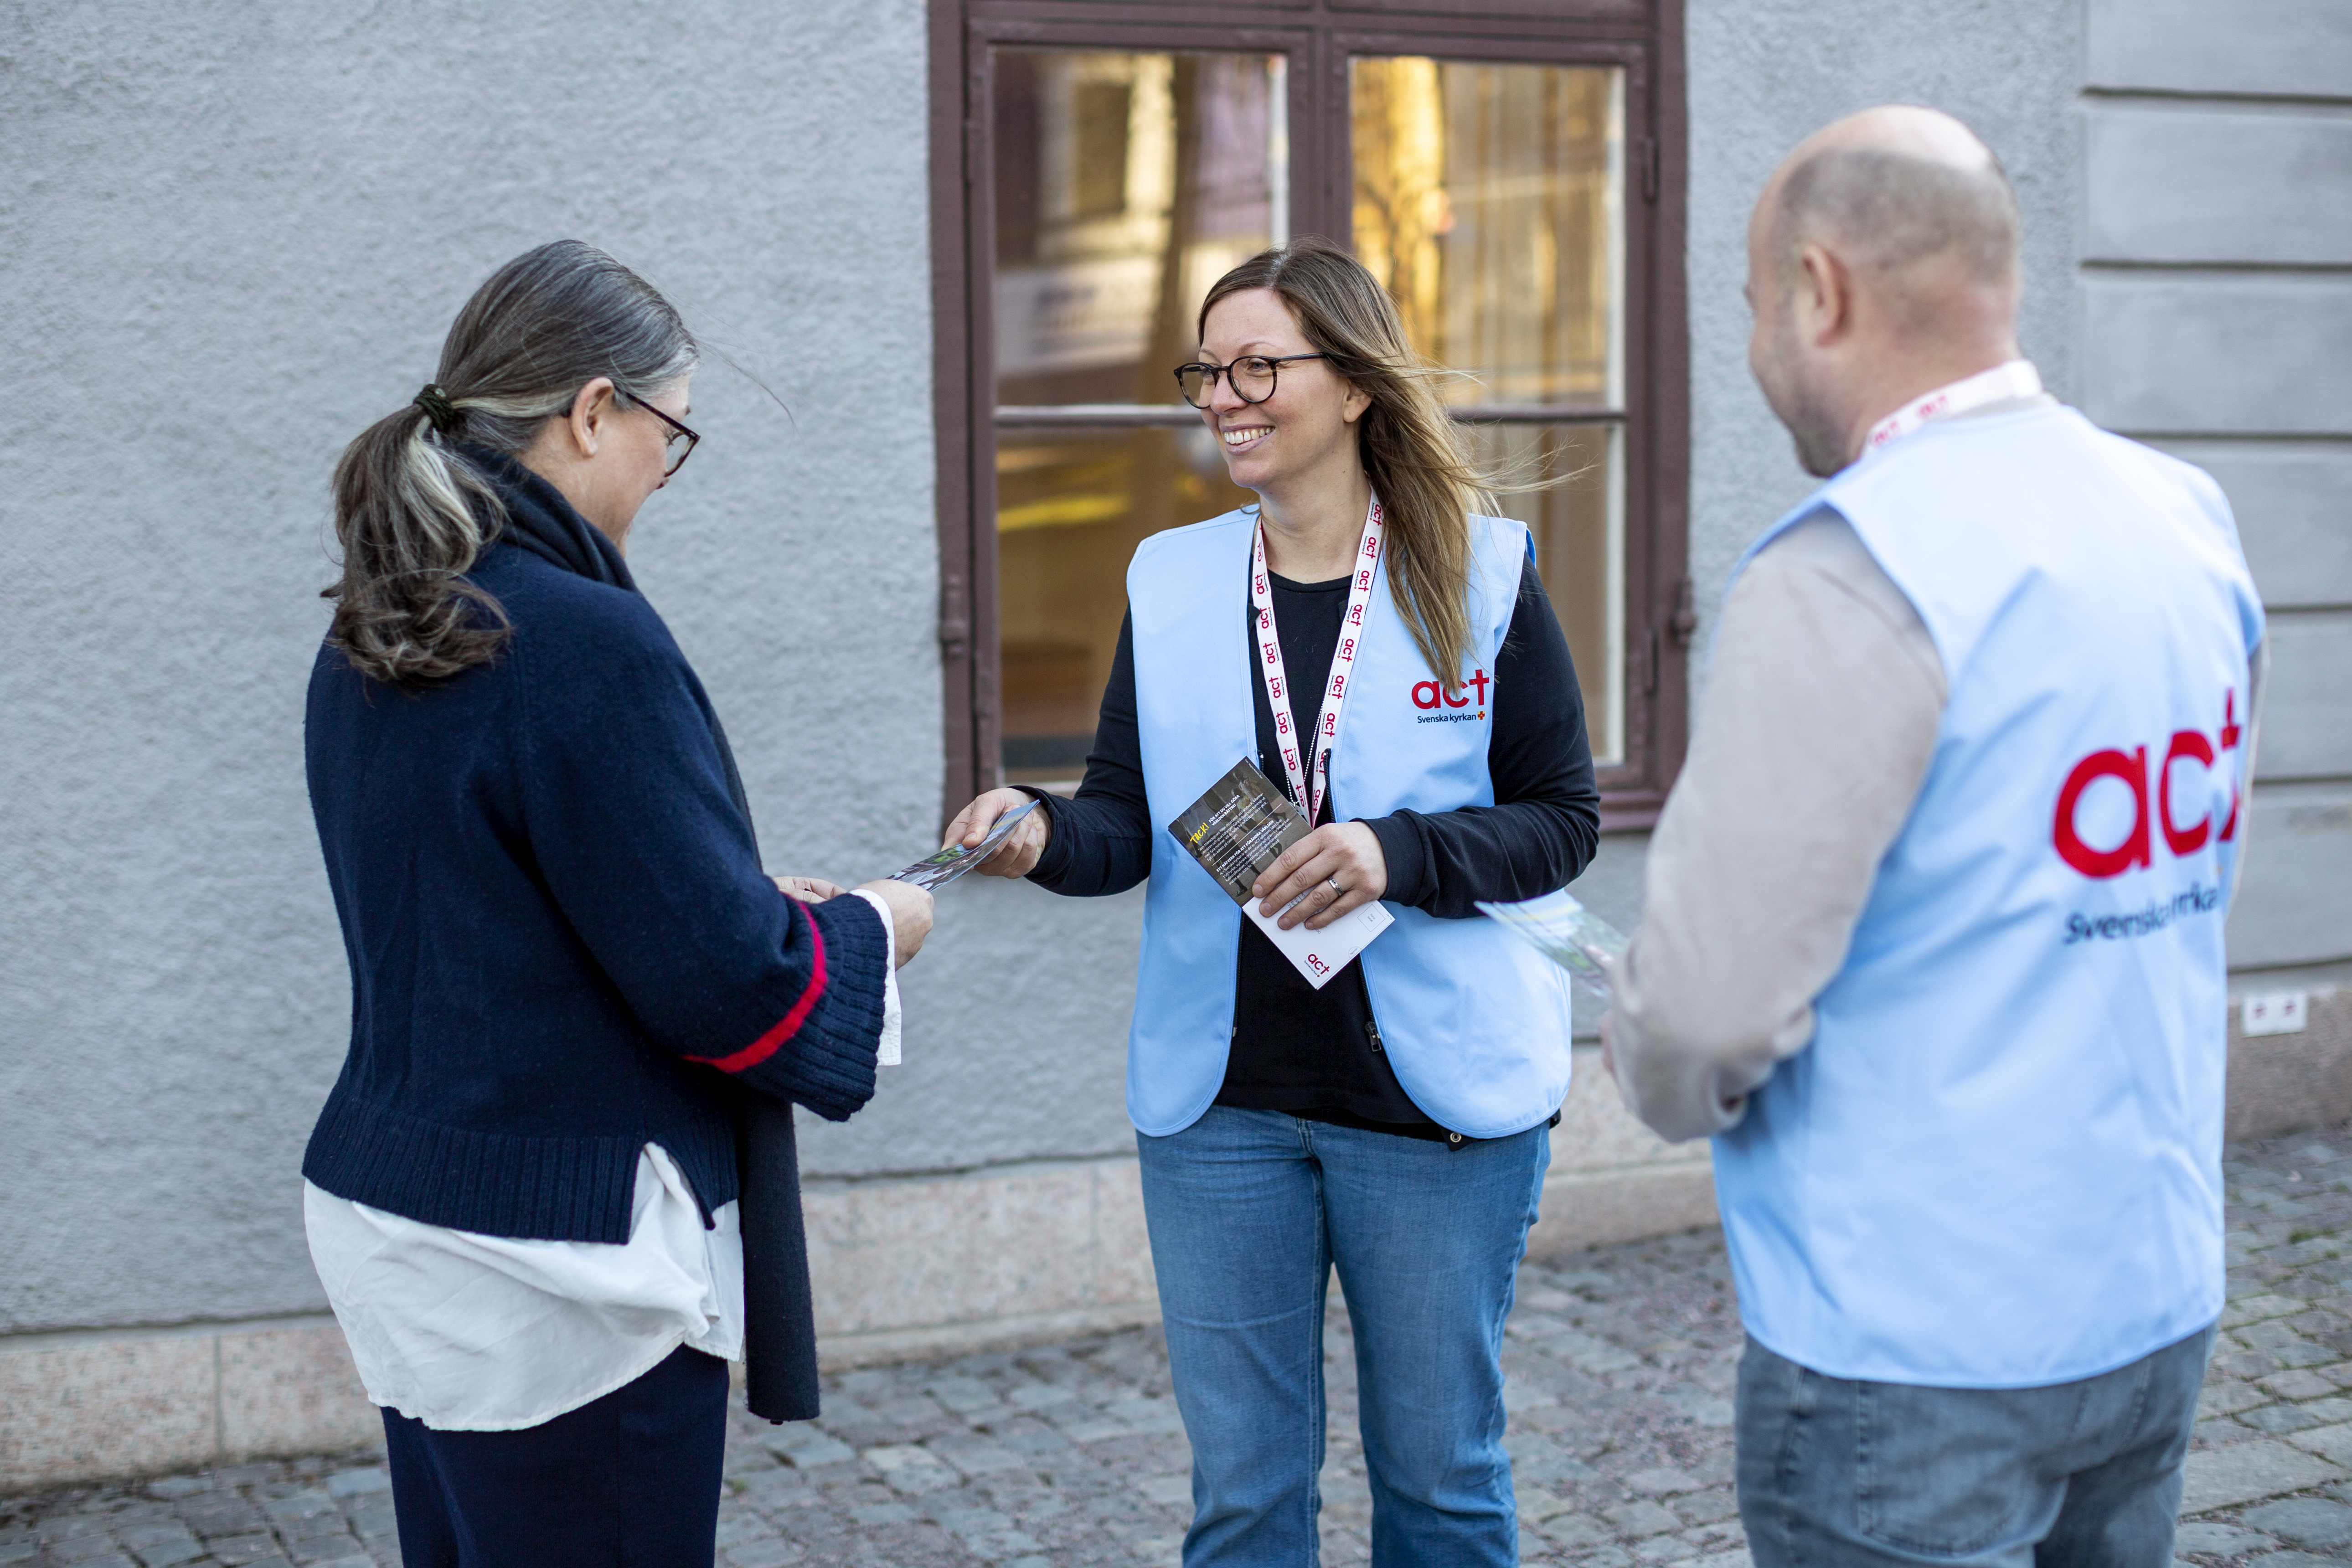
933	872
1569	934
1237	828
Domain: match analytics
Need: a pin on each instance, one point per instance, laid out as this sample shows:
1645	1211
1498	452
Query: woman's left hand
1339	868
807	889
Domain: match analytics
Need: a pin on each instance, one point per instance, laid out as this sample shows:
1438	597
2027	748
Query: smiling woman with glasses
582	1011
1388	1119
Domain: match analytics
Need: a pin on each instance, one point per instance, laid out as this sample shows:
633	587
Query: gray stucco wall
231	236
1765	74
2217	324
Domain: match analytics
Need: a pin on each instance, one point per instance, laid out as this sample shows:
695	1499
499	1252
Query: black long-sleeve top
1317	1054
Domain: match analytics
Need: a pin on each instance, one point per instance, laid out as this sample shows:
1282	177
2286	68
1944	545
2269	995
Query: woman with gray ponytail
581	1010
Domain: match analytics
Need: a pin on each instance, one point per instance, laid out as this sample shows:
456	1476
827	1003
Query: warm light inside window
1487	199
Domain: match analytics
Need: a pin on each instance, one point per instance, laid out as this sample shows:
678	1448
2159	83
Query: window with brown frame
1511	169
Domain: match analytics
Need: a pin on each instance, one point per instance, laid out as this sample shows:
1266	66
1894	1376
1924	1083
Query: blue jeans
2083	1474
1250	1211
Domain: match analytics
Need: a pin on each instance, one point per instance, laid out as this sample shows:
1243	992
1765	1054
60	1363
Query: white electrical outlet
2273	1013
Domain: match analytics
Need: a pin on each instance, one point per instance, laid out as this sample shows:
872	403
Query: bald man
1933	946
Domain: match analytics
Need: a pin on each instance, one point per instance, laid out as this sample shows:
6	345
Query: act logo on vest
1438	705
2136	849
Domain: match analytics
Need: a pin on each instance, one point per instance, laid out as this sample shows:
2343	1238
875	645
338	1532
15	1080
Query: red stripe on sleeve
767	1045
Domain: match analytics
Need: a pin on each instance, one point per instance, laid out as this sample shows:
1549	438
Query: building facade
959	244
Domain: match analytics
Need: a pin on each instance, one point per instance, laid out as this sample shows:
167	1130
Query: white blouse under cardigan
484	1333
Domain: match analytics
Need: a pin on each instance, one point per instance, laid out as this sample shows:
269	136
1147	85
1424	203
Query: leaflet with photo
933	872
1567	933
1239	826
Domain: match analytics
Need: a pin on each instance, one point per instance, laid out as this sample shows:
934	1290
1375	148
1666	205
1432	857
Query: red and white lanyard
1302	773
2018	378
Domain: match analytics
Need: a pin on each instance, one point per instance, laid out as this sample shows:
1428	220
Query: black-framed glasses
1252	377
680	444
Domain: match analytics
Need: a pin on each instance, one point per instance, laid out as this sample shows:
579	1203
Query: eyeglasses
680	444
1252	377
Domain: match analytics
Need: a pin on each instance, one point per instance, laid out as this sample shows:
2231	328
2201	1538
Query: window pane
1489	200
1579	525
1126	184
1071	507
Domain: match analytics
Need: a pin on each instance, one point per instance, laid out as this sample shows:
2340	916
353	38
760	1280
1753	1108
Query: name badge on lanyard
1308	767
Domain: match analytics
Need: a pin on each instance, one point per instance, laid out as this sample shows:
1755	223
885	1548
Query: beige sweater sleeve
1814	739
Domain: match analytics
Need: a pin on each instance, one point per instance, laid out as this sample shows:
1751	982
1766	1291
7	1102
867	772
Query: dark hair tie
438	409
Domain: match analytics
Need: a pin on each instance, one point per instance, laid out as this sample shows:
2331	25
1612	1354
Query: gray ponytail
412	513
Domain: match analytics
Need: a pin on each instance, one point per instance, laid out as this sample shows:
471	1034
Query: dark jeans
630	1480
2088	1473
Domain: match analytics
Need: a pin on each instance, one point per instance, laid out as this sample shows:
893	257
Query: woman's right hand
1017	855
910	914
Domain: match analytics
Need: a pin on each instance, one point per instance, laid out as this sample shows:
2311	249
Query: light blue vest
1475	1022
1998	1164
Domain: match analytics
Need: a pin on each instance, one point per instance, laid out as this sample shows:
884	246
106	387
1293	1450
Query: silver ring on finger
1337	892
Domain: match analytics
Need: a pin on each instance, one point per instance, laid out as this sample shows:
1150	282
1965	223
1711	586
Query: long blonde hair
1428	483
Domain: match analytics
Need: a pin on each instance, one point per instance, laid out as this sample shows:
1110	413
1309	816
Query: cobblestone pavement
1620	1365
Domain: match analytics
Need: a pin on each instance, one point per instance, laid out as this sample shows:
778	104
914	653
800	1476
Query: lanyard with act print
1308	768
2018	378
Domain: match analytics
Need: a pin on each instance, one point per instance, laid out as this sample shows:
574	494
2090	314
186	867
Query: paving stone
2217	1540
2301	1384
1638	1520
1576	1530
2255	1308
299	1505
814	1449
2249	1472
772	1553
378	1519
2305	1521
736	1528
1619	1369
2332	1443
1171	1491
1710	1507
151	1532
2280	1419
2213	1434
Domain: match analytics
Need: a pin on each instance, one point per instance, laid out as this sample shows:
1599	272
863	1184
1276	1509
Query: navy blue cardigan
561	943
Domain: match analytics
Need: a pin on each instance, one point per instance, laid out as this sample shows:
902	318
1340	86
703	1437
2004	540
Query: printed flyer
933	872
1239	826
1569	934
